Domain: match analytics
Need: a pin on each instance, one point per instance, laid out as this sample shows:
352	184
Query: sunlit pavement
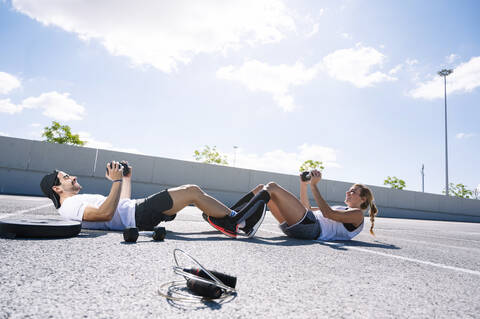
412	268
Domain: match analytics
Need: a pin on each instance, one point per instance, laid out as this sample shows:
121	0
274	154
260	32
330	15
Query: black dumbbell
306	176
130	234
159	233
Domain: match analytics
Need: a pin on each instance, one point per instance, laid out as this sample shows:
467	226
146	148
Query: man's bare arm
106	211
127	183
126	188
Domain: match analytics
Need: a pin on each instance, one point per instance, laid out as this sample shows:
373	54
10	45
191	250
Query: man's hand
114	172
316	177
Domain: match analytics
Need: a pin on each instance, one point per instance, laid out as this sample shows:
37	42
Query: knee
193	190
271	187
258	188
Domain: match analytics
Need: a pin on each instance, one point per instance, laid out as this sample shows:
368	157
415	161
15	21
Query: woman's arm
304	194
354	216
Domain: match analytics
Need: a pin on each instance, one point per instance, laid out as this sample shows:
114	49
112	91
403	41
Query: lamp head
445	72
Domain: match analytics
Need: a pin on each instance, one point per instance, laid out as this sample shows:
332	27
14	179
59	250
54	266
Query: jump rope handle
204	289
227	280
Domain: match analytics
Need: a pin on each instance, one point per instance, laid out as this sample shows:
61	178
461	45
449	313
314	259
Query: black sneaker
226	225
253	222
205	217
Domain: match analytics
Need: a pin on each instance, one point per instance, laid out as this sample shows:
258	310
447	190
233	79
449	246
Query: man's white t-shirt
73	208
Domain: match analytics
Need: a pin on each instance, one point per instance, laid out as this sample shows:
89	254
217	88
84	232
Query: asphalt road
411	269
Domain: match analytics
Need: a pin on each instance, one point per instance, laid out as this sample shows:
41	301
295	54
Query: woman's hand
316	177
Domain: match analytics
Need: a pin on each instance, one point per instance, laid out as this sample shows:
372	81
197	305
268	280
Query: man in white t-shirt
118	211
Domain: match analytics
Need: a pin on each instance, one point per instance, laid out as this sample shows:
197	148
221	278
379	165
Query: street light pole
445	73
423	178
234	155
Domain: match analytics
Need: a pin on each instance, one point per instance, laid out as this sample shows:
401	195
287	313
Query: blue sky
349	83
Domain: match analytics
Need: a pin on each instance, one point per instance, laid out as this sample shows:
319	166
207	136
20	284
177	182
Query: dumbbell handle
227	280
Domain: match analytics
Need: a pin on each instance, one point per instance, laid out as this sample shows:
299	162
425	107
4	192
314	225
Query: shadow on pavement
276	241
186	236
82	234
91	233
182	298
281	241
344	244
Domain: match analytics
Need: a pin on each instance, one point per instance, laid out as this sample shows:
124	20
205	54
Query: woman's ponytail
369	202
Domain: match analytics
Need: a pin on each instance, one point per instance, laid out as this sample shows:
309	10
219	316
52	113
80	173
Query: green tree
459	190
210	155
309	165
61	134
394	182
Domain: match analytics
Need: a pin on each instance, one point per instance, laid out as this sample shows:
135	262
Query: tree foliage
459	190
210	155
394	182
309	165
61	134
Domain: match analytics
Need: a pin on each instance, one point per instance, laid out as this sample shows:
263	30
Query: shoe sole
223	230
257	225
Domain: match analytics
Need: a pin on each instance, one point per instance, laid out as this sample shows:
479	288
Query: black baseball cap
48	181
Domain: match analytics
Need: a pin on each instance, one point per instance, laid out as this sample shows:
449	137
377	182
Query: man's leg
192	194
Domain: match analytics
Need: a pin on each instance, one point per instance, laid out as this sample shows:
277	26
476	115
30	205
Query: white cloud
286	162
274	79
354	65
165	33
8	83
395	69
314	31
465	78
4	134
411	62
58	106
8	107
451	58
93	143
346	35
464	135
35	125
36	135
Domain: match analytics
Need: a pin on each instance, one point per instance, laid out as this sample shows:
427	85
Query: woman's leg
192	194
285	207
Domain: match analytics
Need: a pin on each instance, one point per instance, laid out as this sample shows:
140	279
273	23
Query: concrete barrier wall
24	162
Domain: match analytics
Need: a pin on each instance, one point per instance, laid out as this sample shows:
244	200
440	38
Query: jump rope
200	283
